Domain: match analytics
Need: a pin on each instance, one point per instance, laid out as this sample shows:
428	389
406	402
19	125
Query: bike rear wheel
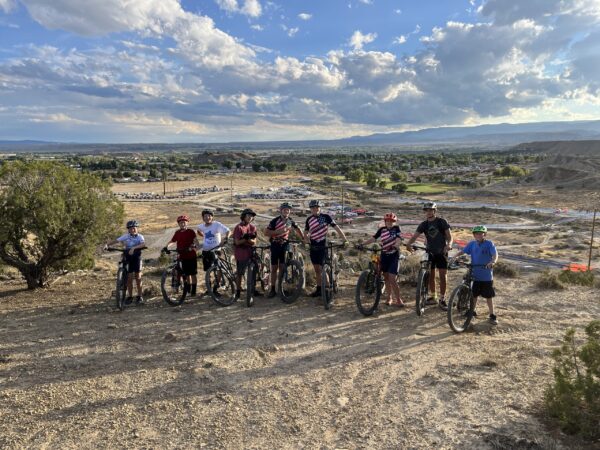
171	286
121	291
327	290
291	281
220	286
422	291
368	293
460	308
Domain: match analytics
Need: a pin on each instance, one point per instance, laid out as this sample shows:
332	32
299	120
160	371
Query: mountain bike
172	280
291	279
220	277
461	305
122	276
422	280
370	285
259	270
329	273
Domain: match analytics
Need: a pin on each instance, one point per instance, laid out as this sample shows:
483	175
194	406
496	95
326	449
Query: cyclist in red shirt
186	246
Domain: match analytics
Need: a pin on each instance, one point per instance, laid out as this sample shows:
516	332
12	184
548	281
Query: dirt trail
74	373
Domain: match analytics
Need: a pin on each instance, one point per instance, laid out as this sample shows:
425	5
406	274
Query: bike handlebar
114	249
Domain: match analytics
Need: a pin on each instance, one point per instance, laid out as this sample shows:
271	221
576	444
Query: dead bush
506	269
549	279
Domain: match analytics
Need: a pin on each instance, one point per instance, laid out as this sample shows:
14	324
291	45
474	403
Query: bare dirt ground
75	373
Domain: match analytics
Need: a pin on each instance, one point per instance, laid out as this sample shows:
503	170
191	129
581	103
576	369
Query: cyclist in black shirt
439	243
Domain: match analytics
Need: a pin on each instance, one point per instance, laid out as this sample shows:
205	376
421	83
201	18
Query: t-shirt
131	241
435	234
317	227
388	238
213	234
243	252
277	224
185	239
481	253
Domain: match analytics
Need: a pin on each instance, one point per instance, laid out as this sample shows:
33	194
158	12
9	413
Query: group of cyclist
437	232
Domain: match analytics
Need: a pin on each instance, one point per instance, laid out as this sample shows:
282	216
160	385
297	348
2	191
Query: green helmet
479	229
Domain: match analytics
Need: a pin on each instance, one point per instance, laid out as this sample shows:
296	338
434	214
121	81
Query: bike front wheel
220	286
460	308
171	286
121	291
291	281
327	291
368	293
422	291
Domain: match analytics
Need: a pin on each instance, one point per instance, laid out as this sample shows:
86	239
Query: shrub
409	267
579	278
574	397
505	269
549	280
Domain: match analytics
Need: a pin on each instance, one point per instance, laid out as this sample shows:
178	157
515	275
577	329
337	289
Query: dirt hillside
75	373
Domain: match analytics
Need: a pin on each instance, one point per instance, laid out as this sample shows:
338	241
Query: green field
415	188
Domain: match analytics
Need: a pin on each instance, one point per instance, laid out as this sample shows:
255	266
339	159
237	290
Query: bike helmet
285	205
315	203
246	212
133	223
479	229
429	205
184	217
390	216
208	211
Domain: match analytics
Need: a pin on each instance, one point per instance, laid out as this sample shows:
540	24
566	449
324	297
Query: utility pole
343	210
231	190
589	267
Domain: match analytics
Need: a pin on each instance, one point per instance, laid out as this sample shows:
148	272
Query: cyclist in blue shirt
133	242
483	253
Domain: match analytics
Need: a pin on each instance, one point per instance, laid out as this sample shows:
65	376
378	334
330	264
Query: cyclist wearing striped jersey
390	238
278	232
316	228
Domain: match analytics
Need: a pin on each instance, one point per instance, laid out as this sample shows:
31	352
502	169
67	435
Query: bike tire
291	281
224	295
265	274
173	295
459	306
326	287
251	283
368	293
422	291
121	285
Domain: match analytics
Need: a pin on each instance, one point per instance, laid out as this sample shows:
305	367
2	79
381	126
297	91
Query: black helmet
246	212
132	223
315	203
208	211
429	205
285	205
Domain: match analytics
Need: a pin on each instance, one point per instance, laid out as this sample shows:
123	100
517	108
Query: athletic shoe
492	319
139	300
431	300
128	300
272	293
317	293
470	313
443	305
237	295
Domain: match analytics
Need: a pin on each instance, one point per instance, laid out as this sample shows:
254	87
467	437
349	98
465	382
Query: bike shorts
134	262
208	258
318	255
189	266
484	289
439	261
278	250
241	266
389	262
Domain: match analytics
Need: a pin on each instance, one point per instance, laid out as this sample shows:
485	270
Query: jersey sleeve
421	228
224	229
444	225
377	234
468	248
306	226
329	220
122	238
493	250
237	232
272	224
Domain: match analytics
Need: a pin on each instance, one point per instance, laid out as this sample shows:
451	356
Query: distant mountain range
497	136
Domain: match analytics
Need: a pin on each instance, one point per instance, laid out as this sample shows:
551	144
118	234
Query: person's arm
448	235
411	241
113	242
299	232
238	238
494	257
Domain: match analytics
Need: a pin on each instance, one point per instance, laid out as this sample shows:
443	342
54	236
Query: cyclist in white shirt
214	233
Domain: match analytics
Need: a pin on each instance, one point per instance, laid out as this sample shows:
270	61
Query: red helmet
184	217
390	216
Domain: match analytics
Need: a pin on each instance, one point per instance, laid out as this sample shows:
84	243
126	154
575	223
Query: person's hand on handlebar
345	244
410	248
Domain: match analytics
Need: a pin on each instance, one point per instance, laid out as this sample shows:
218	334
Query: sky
256	70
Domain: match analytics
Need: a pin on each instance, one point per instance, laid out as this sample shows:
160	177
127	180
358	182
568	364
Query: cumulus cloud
358	40
251	8
399	39
304	16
